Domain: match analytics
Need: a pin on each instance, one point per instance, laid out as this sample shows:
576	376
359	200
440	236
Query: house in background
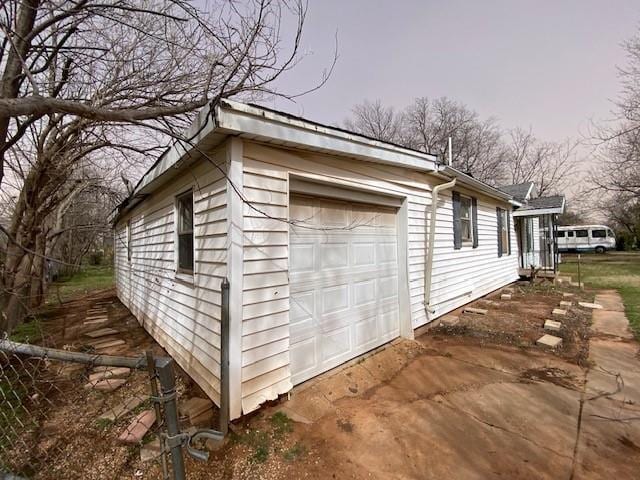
333	244
536	228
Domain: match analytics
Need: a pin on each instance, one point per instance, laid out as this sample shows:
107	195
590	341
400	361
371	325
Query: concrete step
138	428
593	306
559	311
107	385
118	372
95	322
103	332
549	341
199	410
564	303
505	296
477	311
552	325
123	408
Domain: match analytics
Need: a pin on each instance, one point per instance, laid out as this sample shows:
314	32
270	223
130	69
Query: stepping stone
109	344
558	311
122	409
107	385
567	294
505	296
449	320
564	303
195	407
138	428
103	332
478	311
549	341
577	285
552	325
120	372
590	305
96	321
150	451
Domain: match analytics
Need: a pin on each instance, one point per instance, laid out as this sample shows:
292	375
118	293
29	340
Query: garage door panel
344	292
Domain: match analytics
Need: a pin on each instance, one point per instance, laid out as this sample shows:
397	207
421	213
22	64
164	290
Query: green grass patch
281	423
295	452
615	270
27	332
87	279
259	442
103	423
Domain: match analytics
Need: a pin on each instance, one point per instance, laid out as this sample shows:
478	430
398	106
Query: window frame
129	246
504	228
466	241
181	272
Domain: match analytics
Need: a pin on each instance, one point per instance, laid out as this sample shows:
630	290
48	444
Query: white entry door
343	282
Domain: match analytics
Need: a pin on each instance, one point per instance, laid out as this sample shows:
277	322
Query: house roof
519	191
542	205
214	123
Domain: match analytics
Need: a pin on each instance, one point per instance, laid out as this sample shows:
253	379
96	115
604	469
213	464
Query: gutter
432	238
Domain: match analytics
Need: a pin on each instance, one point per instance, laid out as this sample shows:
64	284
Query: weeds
295	452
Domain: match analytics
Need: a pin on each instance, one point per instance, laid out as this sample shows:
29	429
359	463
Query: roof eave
470	182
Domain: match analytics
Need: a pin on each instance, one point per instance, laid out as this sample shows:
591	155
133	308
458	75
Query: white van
583	238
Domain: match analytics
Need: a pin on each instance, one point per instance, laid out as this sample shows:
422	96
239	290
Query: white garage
343	282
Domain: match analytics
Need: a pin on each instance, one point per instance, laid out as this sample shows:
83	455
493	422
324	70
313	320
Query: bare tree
427	124
374	120
89	82
548	164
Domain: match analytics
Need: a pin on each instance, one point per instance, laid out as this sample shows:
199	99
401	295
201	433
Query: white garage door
343	282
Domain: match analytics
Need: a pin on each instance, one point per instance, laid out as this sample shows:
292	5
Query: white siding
183	317
459	276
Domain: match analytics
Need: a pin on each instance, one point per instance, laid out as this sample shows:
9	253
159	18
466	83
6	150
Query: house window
466	225
582	233
504	232
599	233
129	240
529	236
184	210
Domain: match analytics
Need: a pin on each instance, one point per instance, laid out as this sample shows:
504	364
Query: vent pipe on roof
450	157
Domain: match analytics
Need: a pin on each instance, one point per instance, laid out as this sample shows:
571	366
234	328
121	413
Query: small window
184	207
570	234
598	233
504	232
466	226
560	235
129	240
610	234
582	233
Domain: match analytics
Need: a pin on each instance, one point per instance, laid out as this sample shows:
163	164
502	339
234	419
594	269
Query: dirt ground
475	400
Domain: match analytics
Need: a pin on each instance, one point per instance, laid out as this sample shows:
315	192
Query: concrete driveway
449	408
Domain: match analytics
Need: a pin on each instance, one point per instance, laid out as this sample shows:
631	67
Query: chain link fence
67	414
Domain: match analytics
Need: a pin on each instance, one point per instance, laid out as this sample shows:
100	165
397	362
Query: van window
598	233
560	234
569	234
582	233
610	233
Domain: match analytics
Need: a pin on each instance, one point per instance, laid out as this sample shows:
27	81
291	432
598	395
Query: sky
546	65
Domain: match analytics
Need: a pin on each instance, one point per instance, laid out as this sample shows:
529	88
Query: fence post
224	359
151	369
164	367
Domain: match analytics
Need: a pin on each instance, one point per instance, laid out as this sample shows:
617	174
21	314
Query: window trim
129	246
183	274
469	241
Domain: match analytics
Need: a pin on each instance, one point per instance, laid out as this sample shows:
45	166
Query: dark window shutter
499	218
474	220
509	232
457	237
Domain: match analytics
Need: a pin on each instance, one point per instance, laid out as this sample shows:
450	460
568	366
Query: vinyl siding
183	317
459	276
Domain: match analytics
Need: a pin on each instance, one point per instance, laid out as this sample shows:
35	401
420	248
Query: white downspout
432	238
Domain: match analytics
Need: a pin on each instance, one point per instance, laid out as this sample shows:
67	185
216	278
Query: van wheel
600	249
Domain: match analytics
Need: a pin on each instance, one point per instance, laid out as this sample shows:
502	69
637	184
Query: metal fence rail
57	420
